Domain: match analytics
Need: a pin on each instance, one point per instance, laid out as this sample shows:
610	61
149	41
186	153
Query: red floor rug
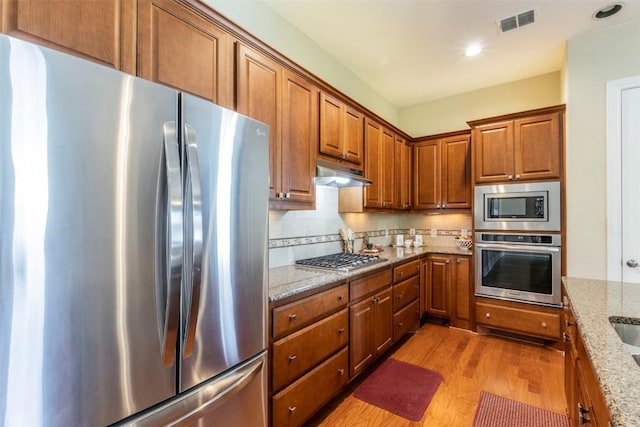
401	388
497	411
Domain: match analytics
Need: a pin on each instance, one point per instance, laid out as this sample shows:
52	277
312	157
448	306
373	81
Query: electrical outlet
434	232
412	232
463	232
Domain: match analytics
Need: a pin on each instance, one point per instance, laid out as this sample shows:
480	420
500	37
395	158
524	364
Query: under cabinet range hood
335	175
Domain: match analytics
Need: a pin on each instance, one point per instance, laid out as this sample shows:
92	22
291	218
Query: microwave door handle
173	246
194	197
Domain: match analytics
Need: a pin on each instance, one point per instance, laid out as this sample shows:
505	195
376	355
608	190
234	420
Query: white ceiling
412	51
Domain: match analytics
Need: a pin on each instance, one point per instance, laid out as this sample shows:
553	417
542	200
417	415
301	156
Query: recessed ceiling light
608	10
473	50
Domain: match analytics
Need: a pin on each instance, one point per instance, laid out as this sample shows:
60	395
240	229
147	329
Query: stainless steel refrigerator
133	250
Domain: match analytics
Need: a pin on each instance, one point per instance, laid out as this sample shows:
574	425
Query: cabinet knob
341	330
292	409
543	324
457	260
340	297
400	325
401	273
487	315
287	196
517	176
292	317
583	414
438	206
292	358
444	206
566	337
400	296
447	262
341	371
569	324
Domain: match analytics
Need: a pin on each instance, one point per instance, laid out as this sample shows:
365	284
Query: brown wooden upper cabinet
341	130
518	147
100	30
403	164
183	49
268	92
442	172
379	165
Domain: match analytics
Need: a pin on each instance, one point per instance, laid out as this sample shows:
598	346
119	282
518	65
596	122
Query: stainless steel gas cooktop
340	261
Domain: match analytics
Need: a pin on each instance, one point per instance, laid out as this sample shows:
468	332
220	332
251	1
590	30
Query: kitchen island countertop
593	302
290	282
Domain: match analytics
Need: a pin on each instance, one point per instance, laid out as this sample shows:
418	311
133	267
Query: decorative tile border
327	238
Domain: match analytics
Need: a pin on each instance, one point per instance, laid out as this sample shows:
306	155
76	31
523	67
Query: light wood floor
469	364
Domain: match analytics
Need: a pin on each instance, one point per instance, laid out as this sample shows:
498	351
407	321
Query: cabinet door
456	172
103	31
331	126
181	49
537	147
438	285
361	349
388	167
299	138
259	81
426	172
493	147
403	175
383	321
461	292
373	151
353	141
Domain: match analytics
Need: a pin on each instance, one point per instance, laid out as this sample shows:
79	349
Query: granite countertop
593	302
288	282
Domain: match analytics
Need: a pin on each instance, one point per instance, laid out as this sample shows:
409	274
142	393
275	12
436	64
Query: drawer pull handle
341	298
400	325
544	324
292	317
569	324
292	409
400	296
487	315
341	330
292	358
341	371
401	273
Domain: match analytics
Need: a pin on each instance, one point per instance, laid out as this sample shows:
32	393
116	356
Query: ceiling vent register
517	21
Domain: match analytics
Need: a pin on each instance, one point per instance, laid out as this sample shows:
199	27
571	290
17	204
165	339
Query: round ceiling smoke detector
608	10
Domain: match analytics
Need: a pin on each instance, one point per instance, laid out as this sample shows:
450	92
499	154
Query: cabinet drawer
406	320
296	315
528	321
370	284
406	270
295	404
299	352
405	292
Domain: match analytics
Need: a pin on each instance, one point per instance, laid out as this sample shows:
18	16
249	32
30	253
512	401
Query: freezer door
226	214
236	398
82	285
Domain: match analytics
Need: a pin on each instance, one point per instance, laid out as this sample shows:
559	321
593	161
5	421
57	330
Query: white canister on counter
417	240
399	239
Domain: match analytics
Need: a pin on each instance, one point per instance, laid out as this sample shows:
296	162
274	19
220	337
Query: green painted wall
270	27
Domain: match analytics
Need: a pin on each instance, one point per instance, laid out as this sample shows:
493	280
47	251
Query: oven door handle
518	248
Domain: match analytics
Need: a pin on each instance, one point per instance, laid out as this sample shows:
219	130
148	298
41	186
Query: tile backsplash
297	235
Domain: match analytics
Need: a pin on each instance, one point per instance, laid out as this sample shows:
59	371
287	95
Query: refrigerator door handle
173	245
195	235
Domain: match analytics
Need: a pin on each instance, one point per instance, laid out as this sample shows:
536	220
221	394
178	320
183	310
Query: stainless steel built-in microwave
518	207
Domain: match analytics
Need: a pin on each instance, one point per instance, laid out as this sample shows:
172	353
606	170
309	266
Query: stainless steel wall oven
519	267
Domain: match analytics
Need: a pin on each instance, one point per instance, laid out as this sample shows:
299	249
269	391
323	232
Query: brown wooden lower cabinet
296	403
521	318
371	329
585	402
448	289
405	320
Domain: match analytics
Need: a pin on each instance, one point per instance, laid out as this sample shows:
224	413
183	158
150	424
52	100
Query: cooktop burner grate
340	261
